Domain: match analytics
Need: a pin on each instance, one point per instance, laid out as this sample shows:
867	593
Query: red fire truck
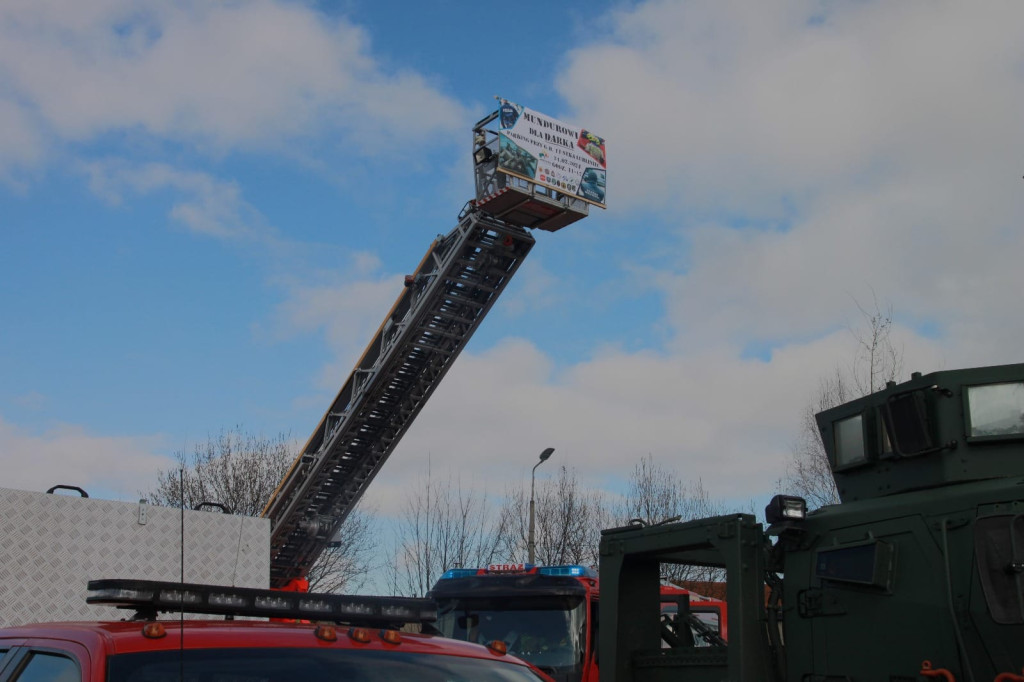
549	615
143	649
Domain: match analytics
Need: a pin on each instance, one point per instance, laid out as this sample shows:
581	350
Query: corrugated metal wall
52	545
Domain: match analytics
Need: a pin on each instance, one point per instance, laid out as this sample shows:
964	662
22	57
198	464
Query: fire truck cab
546	615
550	615
313	645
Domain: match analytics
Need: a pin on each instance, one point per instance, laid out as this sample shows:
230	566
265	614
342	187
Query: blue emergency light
458	573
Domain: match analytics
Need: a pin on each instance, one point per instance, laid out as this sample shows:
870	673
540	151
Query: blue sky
206	209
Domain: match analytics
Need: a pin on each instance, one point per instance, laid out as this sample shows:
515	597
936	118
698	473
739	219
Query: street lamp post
543	458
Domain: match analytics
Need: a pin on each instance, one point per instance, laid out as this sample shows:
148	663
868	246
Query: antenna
181	508
181	611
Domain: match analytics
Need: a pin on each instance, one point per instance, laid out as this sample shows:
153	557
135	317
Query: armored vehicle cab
918	573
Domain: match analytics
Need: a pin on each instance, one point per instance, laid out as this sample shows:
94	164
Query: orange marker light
153	630
326	632
359	634
391	636
498	647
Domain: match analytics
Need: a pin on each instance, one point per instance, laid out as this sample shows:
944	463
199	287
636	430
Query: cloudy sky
206	209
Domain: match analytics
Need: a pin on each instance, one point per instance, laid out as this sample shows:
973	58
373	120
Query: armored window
850	441
996	410
867	563
909	423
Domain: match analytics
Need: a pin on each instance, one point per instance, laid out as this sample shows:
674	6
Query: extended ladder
442	304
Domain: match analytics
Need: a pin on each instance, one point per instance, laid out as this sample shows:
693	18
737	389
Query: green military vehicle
917	574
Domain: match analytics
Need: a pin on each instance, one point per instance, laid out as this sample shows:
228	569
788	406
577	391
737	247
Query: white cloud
724	104
539	289
926	254
347	314
21	144
813	154
105	466
224	75
707	415
206	205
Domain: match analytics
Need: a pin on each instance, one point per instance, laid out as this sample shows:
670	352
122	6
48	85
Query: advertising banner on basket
566	158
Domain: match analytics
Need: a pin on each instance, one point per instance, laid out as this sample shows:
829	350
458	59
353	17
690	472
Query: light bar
151	596
574	571
571	570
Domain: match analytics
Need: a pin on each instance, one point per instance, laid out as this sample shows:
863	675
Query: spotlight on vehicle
785	508
482	154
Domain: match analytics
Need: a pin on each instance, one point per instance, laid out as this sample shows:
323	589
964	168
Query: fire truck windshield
550	632
309	665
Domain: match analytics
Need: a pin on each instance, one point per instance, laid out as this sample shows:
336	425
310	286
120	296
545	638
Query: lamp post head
530	543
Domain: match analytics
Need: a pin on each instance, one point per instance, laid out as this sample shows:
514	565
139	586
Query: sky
206	209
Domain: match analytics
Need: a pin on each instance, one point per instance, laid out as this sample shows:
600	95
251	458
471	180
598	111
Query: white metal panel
52	545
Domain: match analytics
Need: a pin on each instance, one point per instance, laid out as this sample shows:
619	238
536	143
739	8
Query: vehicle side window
47	667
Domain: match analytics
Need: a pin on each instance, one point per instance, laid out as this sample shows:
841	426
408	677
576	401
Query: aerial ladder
439	308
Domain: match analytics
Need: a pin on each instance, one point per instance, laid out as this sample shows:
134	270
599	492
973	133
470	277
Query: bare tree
656	494
809	474
442	526
240	471
876	361
347	565
236	469
568	521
